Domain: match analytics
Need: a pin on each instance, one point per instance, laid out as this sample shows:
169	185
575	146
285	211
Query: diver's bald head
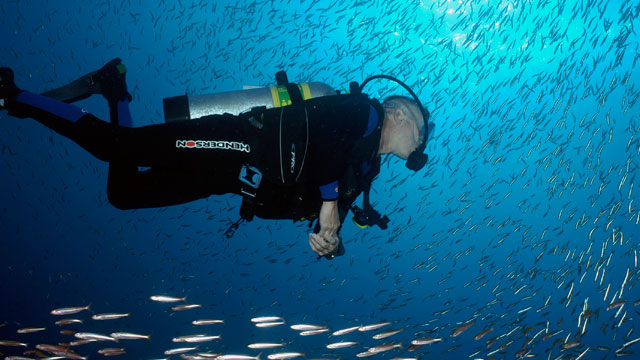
408	107
403	127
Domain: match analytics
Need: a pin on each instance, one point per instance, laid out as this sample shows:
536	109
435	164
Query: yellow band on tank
275	96
306	92
280	95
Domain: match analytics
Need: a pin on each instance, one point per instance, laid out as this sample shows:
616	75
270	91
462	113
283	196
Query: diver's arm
326	240
336	138
329	219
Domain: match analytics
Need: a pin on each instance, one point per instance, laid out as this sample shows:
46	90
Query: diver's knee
118	198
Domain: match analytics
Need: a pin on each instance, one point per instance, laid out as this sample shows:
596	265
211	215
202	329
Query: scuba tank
185	107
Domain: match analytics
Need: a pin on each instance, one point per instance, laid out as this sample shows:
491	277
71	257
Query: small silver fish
340	345
264	345
93	336
307	327
30	330
266	319
373	326
286	355
110	316
128	336
185	307
207	322
168	299
180	350
69	310
196	338
269	324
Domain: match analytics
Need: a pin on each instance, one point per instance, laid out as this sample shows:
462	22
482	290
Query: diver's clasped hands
326	240
323	246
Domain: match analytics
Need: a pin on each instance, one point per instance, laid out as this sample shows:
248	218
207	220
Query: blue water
537	118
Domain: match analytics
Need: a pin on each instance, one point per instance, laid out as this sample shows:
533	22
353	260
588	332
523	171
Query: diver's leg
191	159
128	188
108	81
186	144
204	143
8	89
178	174
91	133
191	144
113	86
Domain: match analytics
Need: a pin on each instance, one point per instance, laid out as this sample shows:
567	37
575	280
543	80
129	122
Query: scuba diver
304	156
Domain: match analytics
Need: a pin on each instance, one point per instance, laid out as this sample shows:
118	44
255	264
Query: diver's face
410	137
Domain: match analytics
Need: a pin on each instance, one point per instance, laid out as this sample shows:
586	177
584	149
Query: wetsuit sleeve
338	132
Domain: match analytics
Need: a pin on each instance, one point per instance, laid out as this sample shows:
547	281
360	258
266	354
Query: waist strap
250	177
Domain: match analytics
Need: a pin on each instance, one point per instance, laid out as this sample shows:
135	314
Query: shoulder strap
292	88
368	216
294	93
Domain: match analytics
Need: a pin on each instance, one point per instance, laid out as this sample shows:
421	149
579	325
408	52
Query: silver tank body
237	102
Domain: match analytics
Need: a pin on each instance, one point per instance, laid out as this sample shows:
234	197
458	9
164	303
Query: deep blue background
537	117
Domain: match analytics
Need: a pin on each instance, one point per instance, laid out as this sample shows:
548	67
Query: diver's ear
398	116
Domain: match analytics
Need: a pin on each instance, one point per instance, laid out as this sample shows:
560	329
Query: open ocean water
524	222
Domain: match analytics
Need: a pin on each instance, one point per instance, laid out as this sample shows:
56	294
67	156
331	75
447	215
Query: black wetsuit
193	159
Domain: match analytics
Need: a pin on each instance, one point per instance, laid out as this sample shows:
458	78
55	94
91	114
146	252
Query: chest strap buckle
251	177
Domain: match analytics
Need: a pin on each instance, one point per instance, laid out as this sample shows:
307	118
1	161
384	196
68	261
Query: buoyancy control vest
294	195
